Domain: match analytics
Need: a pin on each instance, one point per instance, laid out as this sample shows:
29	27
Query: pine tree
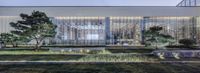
153	37
36	26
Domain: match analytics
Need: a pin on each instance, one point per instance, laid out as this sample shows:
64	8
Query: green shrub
187	42
116	58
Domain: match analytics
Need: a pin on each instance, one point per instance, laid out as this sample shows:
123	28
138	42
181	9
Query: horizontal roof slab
104	11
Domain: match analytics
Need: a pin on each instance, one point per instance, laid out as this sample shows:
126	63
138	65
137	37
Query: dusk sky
89	2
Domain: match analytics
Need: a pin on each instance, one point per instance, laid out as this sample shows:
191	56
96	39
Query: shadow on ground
100	68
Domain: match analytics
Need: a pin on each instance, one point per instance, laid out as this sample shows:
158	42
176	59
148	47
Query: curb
70	62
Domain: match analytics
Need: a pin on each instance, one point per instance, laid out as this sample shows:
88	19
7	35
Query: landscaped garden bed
130	50
80	58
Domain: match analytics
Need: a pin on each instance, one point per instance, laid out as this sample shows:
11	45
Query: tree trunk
16	45
38	43
37	47
13	44
156	43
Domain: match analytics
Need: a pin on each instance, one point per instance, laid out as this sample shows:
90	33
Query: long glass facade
114	30
189	3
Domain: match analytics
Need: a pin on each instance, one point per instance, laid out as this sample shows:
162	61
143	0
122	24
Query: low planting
116	58
80	58
39	57
182	47
130	50
70	55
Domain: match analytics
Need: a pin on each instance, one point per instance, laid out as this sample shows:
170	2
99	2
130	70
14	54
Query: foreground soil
101	68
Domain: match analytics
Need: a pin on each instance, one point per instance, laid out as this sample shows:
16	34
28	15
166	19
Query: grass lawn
100	68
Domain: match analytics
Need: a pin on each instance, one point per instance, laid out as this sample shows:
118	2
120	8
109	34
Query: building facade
89	26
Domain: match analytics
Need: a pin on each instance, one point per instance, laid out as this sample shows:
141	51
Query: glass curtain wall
122	30
4	23
198	30
177	27
125	30
80	30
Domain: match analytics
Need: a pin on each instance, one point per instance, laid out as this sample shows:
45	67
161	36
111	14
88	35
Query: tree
154	37
8	38
187	42
36	26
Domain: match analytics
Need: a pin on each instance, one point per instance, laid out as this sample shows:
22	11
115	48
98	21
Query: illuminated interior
114	30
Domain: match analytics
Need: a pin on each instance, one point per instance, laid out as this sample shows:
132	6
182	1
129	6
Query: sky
89	2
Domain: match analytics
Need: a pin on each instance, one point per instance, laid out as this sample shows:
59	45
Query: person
1	44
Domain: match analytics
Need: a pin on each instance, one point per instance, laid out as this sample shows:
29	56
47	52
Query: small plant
87	50
81	50
14	40
62	50
161	55
70	50
187	42
176	55
104	52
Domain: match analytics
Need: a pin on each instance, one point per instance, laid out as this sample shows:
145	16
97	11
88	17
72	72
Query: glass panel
122	30
80	30
177	27
125	30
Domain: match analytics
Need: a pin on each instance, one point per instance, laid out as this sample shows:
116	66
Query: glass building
189	3
114	25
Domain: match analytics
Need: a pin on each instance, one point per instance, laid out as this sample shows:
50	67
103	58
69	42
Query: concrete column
194	28
143	26
107	30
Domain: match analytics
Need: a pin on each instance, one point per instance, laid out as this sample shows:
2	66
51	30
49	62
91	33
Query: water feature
178	53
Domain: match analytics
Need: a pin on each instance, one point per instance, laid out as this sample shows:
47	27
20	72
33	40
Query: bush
116	58
172	47
187	42
130	50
